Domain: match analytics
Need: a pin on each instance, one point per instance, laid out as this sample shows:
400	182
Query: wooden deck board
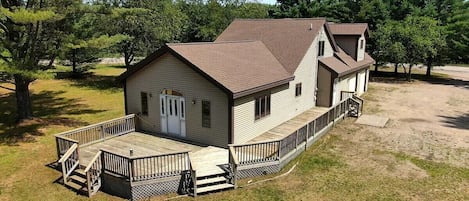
146	144
291	125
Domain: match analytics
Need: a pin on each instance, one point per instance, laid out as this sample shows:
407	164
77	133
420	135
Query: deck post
102	132
279	148
58	147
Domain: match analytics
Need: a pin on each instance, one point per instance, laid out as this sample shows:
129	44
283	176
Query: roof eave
262	87
353	70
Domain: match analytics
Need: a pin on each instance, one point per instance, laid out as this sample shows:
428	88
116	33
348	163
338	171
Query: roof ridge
212	43
278	19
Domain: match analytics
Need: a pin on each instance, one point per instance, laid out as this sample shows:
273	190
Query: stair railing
233	165
69	162
93	174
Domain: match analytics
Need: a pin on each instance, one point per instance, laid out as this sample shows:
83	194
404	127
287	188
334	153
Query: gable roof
287	39
349	28
239	68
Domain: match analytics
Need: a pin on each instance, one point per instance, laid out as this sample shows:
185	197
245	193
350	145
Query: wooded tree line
35	33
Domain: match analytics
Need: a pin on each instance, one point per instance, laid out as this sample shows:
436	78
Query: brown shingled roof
287	39
348	28
242	67
342	64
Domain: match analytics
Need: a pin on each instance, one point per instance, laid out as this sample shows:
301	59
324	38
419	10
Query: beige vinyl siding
361	52
346	83
284	104
324	87
361	82
349	44
167	72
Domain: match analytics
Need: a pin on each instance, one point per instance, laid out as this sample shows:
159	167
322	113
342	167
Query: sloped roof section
348	28
287	39
242	67
342	64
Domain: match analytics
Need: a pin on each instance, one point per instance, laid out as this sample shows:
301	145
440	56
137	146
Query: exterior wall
345	83
361	82
167	72
361	52
284	104
324	87
349	44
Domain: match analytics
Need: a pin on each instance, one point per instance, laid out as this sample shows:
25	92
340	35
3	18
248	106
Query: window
361	44
298	90
206	114
144	102
262	106
321	48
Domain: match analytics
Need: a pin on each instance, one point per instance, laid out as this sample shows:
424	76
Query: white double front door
173	115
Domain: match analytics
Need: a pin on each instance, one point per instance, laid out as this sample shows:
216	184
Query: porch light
194	101
131	152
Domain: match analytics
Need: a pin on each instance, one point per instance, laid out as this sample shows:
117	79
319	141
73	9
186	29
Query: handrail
233	155
93	176
68	166
88	167
68	153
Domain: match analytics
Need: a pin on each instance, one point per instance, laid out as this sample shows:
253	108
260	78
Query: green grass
59	105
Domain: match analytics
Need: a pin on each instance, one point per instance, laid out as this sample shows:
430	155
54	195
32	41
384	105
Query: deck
283	130
204	157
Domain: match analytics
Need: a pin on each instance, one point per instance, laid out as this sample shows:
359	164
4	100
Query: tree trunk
23	100
127	59
395	68
429	66
409	75
376	66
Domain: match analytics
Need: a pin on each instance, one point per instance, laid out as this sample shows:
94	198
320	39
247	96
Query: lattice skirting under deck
253	171
142	190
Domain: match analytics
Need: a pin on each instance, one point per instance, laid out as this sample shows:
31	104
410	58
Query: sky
267	1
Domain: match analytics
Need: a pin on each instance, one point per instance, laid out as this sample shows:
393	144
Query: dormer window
321	48
361	44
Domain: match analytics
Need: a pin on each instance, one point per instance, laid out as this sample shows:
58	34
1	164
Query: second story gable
351	37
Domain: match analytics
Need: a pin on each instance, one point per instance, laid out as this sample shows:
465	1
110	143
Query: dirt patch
429	121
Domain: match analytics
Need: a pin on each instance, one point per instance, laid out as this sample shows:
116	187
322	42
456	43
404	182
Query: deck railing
101	131
147	167
93	174
268	151
256	152
63	145
69	162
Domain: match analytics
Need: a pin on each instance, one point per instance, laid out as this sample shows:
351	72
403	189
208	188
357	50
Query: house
256	75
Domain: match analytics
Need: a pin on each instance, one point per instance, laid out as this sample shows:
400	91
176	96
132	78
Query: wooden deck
204	157
290	126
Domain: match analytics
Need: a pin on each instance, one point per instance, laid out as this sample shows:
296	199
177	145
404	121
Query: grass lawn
59	105
460	65
324	171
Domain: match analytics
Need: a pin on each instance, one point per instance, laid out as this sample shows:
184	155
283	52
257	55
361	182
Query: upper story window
361	44
321	48
144	102
298	90
262	106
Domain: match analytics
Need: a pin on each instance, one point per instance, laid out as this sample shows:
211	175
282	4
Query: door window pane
206	114
144	103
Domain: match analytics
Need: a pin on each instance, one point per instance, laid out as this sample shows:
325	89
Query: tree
22	44
147	23
458	36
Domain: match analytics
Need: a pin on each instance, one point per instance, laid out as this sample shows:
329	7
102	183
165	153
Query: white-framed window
321	48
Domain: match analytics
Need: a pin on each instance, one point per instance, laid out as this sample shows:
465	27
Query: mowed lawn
59	105
325	171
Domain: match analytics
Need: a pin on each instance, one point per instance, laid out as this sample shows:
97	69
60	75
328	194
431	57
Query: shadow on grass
461	121
92	81
400	78
48	107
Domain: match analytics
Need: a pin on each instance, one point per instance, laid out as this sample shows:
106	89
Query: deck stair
77	181
210	176
212	180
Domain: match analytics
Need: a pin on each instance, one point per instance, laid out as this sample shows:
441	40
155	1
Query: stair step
210	172
210	180
214	188
78	180
80	172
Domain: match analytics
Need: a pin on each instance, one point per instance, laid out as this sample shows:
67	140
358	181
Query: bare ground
429	121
